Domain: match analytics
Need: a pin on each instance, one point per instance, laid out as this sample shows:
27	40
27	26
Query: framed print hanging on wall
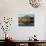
25	19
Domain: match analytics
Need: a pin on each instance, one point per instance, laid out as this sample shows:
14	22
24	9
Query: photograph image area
26	20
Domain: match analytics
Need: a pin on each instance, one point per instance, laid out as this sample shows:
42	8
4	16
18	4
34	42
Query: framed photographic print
25	19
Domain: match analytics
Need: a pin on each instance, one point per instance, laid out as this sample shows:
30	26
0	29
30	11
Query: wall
45	29
9	8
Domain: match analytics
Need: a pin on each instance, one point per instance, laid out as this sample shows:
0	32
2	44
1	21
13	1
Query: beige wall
11	7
